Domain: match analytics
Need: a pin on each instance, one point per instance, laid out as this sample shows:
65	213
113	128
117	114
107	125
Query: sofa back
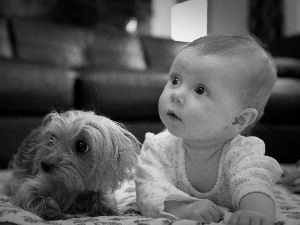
46	66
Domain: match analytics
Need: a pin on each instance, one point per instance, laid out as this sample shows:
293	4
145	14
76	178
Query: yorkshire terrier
72	164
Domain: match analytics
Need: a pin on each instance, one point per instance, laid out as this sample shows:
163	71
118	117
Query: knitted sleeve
249	170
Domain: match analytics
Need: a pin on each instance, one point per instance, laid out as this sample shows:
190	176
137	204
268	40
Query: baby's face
200	100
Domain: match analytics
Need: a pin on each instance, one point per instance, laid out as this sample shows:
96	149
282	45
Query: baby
218	86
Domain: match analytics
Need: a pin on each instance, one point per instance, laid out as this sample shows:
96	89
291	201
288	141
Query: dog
72	164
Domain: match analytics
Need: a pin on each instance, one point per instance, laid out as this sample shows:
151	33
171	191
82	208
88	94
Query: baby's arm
202	211
252	176
255	208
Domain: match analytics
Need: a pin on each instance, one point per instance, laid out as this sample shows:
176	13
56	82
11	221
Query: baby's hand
202	211
246	217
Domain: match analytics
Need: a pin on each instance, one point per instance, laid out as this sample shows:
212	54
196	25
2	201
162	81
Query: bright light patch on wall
131	26
189	20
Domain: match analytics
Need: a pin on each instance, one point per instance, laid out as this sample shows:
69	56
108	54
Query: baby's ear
244	118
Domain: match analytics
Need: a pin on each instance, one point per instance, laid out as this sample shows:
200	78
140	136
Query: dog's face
78	151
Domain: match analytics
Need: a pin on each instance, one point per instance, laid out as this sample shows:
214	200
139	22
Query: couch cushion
116	50
160	52
34	88
13	130
123	95
43	41
5	43
282	140
286	47
288	67
283	105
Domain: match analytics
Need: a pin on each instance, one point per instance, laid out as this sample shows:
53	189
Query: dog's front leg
45	208
28	197
50	210
94	204
104	204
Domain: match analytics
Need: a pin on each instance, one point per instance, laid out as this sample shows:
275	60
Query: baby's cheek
161	106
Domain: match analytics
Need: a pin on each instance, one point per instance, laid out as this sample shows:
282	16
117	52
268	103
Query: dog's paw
52	215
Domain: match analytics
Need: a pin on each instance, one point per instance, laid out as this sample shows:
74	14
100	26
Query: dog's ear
129	146
48	118
24	159
119	148
134	141
127	150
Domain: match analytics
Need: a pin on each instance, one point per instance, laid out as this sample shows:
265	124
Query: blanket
288	210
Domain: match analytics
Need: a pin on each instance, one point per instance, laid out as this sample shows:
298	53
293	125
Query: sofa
46	66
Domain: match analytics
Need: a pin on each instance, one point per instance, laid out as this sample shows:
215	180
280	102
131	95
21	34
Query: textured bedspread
288	211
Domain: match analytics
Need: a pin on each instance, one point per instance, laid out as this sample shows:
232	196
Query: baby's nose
178	97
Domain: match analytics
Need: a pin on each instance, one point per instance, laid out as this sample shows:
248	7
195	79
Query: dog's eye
81	146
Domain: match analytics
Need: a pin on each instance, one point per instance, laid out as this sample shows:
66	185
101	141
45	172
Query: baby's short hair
259	80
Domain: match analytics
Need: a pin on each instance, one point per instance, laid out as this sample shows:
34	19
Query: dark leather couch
45	67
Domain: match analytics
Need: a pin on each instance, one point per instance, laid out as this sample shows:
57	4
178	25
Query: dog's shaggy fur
72	164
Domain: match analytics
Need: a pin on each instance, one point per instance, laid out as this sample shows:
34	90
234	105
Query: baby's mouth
172	115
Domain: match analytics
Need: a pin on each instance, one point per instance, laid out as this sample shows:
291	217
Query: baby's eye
200	91
174	80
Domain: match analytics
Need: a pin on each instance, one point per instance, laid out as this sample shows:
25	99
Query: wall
231	16
224	16
227	16
161	18
292	17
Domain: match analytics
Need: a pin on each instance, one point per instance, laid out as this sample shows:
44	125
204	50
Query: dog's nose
46	167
